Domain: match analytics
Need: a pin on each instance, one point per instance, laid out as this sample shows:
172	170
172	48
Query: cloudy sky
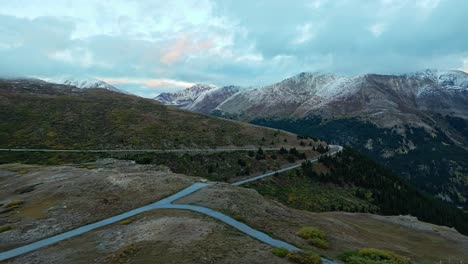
150	46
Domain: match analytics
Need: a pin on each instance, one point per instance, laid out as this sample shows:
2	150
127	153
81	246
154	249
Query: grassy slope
42	117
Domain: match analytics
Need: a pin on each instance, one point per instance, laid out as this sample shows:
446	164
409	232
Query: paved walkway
166	203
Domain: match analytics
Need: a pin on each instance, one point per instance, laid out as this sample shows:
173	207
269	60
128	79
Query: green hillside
37	114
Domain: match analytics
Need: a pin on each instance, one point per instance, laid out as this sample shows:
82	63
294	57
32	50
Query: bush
14	203
320	243
241	162
4	228
283	151
260	154
310	232
125	222
373	256
280	252
305	258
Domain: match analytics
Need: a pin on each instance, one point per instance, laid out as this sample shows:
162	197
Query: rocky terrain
55	199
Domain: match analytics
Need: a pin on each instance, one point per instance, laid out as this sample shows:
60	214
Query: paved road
335	149
143	150
166	203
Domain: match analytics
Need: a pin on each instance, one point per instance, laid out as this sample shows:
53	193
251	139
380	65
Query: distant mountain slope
209	100
185	98
86	83
38	114
198	98
387	100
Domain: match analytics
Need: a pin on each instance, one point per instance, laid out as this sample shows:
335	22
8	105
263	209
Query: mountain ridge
198	98
85	83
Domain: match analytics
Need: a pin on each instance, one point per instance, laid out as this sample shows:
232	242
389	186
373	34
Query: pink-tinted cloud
182	46
148	82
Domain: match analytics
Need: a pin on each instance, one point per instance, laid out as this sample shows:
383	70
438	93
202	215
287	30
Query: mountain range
386	100
416	124
199	98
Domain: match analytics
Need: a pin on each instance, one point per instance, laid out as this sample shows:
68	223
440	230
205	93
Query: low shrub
305	258
125	222
318	242
373	256
280	252
4	228
14	203
309	232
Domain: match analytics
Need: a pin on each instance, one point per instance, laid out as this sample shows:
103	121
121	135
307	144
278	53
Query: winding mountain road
160	151
166	203
334	149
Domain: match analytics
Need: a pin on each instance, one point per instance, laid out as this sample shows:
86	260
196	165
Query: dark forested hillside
368	186
429	161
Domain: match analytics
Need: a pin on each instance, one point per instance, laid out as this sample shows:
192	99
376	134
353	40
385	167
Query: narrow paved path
166	203
80	230
236	224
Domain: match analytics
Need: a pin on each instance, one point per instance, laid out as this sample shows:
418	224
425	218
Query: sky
153	46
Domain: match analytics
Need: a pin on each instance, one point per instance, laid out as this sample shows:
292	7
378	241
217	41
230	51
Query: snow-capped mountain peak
449	78
85	83
185	98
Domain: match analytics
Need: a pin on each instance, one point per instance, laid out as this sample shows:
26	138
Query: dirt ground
422	242
57	199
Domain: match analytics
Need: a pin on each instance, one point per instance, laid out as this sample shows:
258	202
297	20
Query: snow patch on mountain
185	98
400	97
85	83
